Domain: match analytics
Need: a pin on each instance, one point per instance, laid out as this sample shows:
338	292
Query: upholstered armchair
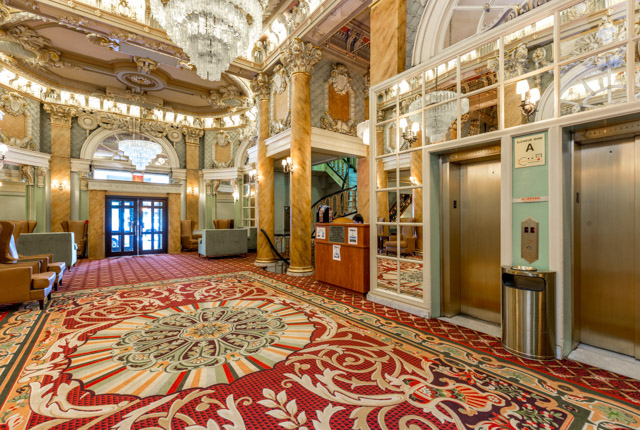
9	253
407	241
187	238
80	230
20	282
221	224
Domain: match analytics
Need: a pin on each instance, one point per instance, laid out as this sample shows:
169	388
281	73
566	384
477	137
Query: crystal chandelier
439	119
140	152
212	32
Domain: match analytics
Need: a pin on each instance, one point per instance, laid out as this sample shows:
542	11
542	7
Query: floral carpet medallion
243	351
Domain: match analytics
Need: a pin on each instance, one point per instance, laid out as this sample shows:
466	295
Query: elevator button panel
529	240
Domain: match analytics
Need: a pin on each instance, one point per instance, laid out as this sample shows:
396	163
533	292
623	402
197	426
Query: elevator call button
529	240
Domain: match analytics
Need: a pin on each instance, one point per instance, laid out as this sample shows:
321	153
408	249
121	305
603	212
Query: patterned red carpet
249	349
119	271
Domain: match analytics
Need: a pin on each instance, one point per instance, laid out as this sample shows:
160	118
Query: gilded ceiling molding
104	41
192	135
5	15
60	114
260	86
226	97
145	65
300	57
13	103
38	45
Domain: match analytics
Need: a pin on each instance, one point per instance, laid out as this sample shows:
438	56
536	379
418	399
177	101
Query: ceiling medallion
140	81
213	33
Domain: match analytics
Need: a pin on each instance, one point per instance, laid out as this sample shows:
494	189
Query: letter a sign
530	150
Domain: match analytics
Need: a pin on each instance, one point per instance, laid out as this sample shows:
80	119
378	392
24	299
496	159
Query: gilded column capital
260	86
60	115
192	135
300	57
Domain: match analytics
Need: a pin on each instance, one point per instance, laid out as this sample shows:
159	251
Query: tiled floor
117	271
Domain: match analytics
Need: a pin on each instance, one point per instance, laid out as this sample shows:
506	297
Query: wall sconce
60	186
414	180
253	175
236	196
192	191
287	165
363	131
529	97
412	135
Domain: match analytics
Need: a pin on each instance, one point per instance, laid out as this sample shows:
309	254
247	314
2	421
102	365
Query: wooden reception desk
342	255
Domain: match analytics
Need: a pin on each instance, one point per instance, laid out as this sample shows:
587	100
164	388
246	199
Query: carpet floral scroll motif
243	351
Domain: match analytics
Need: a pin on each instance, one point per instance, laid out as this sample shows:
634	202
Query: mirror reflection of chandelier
140	152
212	32
439	119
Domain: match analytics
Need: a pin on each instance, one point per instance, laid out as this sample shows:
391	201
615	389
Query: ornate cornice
60	115
5	15
192	135
260	86
300	57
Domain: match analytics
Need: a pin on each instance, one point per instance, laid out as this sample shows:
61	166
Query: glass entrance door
135	225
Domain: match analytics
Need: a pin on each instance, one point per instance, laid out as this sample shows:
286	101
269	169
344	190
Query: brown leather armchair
9	253
19	283
80	230
407	241
187	238
222	224
25	226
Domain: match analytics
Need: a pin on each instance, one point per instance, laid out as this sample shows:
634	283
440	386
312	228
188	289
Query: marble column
60	118
96	224
388	39
260	87
192	139
299	58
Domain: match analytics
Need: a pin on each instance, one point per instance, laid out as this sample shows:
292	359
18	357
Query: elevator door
480	240
606	211
471	239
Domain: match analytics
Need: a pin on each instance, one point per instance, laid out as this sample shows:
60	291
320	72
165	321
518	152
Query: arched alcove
100	135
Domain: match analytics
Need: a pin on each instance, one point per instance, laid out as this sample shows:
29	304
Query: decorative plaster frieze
28	174
60	114
5	15
300	57
133	187
13	103
260	86
145	65
41	176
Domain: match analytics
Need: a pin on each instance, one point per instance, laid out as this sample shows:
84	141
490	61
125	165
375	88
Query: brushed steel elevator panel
606	242
471	239
480	240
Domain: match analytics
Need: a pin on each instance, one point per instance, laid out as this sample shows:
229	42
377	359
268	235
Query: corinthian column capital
60	114
260	86
300	57
192	135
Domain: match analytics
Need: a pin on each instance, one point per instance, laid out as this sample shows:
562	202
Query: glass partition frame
554	67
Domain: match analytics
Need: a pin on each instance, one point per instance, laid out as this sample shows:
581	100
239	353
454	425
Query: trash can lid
524	268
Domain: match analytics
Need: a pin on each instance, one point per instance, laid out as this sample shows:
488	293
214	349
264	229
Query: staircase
342	171
405	202
342	203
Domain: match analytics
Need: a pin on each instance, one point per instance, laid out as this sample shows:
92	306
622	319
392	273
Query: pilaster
60	117
192	140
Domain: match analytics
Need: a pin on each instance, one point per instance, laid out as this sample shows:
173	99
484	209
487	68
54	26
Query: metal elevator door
472	251
607	245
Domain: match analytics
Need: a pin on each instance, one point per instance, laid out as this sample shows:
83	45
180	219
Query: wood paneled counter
342	255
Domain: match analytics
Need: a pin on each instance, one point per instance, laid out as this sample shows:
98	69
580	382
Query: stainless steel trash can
528	312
